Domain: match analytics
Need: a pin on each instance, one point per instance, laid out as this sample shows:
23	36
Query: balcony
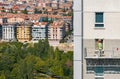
103	69
111	53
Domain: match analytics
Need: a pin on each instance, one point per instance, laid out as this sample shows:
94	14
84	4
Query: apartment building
56	31
39	30
101	39
8	32
24	32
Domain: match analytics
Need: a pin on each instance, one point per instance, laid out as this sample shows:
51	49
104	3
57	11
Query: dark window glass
99	25
99	17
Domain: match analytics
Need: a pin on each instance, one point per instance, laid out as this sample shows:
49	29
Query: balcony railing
92	53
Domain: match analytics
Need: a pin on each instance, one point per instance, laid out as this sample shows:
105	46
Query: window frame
99	24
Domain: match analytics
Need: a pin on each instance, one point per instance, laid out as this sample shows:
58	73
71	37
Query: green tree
11	10
29	61
3	9
2	76
36	11
25	11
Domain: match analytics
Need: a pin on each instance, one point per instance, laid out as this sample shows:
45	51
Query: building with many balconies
24	32
56	32
39	31
8	32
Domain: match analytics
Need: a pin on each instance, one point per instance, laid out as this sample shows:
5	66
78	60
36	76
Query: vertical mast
78	38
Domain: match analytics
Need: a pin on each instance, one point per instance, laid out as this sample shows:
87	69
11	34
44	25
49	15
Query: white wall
111	11
111	30
111	76
101	5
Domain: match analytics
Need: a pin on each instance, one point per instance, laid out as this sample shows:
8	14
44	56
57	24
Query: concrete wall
108	44
111	29
101	5
111	9
111	76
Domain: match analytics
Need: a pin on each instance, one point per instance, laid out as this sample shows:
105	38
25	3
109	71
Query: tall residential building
24	32
39	30
101	39
8	32
56	31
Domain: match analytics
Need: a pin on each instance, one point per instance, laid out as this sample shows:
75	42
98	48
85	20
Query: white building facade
8	32
101	25
39	32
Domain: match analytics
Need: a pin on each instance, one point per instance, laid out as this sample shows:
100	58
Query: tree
26	61
25	11
15	12
40	11
2	76
36	11
57	69
11	10
3	9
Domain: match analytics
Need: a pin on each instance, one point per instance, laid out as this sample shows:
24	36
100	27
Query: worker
100	46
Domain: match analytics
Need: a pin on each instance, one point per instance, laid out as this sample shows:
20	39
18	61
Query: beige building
24	32
56	31
101	39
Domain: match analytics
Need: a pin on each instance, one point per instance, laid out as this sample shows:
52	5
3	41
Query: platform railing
105	53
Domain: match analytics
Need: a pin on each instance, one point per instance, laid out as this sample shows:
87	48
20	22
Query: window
99	19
